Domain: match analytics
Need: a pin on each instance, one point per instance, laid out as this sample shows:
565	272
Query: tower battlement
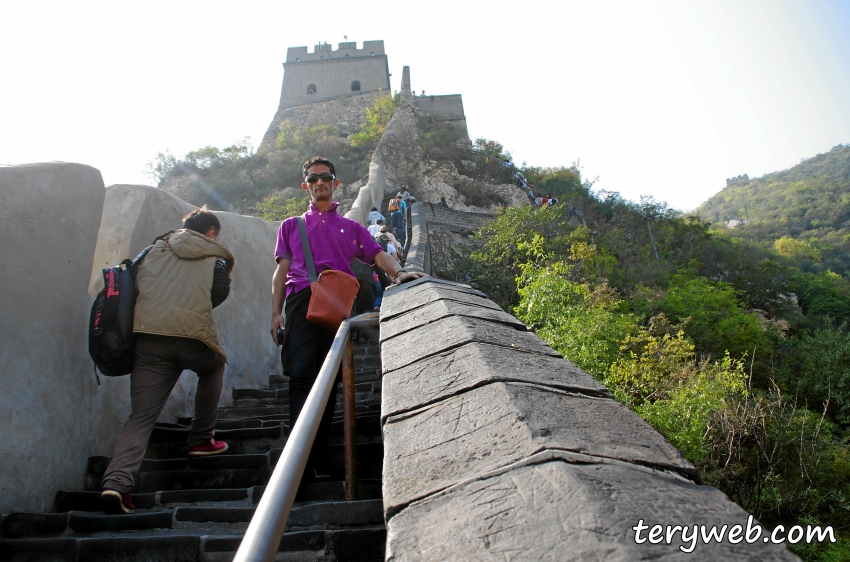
327	74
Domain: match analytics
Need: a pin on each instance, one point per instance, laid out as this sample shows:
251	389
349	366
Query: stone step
239	393
318	514
213	462
192	479
221	424
90	501
278	379
334	490
46	524
251	412
154	548
361	544
172	433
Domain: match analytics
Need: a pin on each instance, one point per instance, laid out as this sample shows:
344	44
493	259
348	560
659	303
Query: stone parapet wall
54	414
497	448
425	217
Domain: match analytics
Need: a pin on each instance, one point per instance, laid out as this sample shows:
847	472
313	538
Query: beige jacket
174	284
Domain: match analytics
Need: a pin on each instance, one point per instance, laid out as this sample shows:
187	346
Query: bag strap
305	246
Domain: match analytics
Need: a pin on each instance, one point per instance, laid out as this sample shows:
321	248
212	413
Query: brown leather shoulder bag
333	291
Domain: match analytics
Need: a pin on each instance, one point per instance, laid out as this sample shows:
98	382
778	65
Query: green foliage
822	294
718	322
796	250
778	460
822	371
377	118
158	168
439	140
582	323
676	339
684	416
276	208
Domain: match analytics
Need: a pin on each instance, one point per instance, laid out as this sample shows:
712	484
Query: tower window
355	86
311	89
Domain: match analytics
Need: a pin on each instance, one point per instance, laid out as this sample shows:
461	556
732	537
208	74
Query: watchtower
327	74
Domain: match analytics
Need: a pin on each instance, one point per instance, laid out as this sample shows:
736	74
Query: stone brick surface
452	332
559	511
469	366
438	309
490	427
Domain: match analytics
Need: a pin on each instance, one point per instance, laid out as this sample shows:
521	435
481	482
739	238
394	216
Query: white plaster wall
370	195
53	415
133	215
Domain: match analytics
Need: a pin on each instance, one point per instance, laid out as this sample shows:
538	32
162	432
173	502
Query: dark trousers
307	344
398	224
158	364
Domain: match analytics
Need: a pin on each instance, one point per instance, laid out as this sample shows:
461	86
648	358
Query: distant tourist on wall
181	279
443	203
374	215
374	229
397	215
393	239
333	241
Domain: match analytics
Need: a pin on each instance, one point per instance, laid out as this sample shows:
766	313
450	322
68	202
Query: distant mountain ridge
808	202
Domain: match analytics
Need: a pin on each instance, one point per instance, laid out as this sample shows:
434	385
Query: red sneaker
211	447
116	503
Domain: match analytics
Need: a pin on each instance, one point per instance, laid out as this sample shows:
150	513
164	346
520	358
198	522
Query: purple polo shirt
334	242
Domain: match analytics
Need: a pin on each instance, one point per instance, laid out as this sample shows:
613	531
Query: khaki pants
158	364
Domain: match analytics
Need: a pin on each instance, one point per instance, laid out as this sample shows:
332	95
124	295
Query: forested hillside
809	203
697	331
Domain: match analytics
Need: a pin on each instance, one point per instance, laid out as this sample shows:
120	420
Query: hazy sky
652	97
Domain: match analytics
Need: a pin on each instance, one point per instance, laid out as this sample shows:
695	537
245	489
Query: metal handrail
262	538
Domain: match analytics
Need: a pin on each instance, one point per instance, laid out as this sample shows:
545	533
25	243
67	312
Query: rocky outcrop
346	114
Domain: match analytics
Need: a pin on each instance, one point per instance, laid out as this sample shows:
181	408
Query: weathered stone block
405	299
469	366
559	511
54	412
465	305
490	427
452	332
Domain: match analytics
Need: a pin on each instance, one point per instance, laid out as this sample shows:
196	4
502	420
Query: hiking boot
208	448
116	503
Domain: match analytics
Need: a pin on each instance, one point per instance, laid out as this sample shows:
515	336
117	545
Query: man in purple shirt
334	242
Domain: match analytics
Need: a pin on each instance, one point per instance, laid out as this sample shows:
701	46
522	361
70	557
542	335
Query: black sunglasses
327	177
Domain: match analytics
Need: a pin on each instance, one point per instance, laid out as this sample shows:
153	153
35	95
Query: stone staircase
196	509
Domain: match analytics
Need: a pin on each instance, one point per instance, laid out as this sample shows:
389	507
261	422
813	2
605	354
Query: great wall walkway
487	445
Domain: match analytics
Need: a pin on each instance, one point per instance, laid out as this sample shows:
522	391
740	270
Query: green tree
276	208
718	323
822	371
377	118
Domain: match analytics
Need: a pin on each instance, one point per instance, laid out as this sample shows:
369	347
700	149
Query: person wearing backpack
397	216
333	241
181	279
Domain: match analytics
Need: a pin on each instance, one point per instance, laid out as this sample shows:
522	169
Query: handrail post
349	420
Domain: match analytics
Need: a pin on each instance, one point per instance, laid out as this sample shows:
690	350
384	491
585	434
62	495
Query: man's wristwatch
397	273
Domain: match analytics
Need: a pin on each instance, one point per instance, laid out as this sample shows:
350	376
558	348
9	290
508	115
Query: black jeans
306	346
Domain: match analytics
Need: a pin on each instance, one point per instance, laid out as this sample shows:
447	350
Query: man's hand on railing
403	276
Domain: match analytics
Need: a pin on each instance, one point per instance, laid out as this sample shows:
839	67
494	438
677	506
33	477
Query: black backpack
383	240
111	340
